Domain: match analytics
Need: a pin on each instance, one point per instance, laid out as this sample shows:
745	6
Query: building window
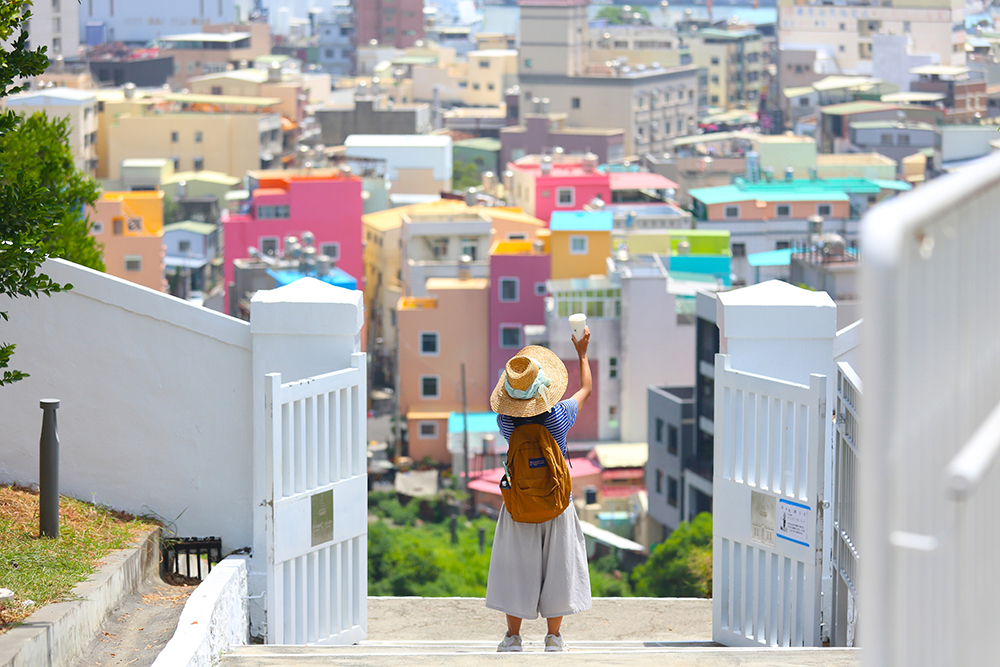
824	209
183	246
470	248
197	137
659	481
199	163
739	249
509	290
484	64
331	250
612	416
97	228
781	245
672	439
613	367
578	245
269	245
427	430
429	343
732	212
672	491
715	60
527	62
177	163
117	226
540	289
903	140
517	236
659	430
564	196
783	210
429	386
575	102
510	336
133	263
174	137
273	212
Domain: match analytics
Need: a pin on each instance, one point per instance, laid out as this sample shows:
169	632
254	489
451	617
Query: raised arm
586	381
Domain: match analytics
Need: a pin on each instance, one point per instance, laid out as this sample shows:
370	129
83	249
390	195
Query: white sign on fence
768	468
317	534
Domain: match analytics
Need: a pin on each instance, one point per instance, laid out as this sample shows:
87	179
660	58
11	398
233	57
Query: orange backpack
537	483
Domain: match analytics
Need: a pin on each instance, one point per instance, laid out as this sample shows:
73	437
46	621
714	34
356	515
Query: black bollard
482	540
48	477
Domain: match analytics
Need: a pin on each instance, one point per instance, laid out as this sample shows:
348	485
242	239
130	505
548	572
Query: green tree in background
618	15
465	175
42	194
681	566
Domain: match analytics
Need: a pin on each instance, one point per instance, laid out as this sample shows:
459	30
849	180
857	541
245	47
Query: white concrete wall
156	411
213	620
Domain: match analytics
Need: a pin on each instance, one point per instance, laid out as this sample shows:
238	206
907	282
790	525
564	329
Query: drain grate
186	558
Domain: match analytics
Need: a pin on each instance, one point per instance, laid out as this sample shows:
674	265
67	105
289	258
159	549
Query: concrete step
585	653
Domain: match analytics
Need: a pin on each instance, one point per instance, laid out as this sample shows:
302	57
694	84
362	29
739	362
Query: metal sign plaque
322	517
762	518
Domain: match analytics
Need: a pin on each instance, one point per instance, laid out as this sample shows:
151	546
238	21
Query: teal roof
828	189
582	221
892	185
479	422
771	258
481	143
193	226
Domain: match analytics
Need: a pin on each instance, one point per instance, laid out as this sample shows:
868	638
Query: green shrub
681	566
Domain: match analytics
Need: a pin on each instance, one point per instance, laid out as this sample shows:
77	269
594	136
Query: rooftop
52	96
398	140
582	221
640	180
913	96
940	70
193	226
234	100
861	106
892	125
217	37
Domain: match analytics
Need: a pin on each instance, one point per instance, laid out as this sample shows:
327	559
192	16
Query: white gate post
787	333
300	330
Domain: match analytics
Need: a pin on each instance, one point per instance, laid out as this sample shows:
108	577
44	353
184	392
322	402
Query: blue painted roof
771	258
336	277
479	422
582	221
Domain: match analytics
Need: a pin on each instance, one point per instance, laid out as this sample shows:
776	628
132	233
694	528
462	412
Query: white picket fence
767	548
317	535
930	487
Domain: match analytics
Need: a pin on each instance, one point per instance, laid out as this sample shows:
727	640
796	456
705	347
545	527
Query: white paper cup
578	321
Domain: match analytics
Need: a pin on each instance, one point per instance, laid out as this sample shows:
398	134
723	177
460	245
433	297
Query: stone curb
57	633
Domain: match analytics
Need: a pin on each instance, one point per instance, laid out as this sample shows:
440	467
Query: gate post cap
48	403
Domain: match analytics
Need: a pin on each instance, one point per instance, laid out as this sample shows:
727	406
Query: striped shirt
561	418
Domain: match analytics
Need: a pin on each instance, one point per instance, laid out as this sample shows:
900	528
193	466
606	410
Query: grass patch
44	570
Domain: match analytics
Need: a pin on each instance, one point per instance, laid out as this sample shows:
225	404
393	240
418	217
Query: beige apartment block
79	106
211	134
253	82
55	24
489	73
217	48
845	30
130	226
640	45
734	62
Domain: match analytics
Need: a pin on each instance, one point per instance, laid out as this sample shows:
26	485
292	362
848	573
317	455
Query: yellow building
734	61
130	226
228	134
580	243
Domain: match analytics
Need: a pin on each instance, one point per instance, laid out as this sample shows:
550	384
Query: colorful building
581	243
432	352
518	274
130	226
287	203
542	185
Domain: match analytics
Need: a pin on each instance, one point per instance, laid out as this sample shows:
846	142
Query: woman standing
539	568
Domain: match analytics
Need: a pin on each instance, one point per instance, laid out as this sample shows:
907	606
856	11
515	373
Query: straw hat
534	380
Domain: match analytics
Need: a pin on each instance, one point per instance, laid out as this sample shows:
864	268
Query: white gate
317	535
767	513
930	483
845	502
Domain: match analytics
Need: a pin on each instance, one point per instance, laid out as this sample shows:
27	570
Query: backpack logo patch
537	463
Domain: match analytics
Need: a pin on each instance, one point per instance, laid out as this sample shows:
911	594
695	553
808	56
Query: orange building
130	226
437	334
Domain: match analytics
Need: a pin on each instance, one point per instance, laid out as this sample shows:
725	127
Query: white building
138	21
417	164
80	106
55	25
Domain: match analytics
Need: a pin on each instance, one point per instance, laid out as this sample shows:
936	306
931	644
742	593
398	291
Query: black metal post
48	476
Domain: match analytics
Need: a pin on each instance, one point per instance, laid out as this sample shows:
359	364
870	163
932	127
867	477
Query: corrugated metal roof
861	106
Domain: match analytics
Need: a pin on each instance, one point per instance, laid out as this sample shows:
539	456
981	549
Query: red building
399	23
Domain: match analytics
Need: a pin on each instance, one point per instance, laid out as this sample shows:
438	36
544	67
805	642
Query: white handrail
973	461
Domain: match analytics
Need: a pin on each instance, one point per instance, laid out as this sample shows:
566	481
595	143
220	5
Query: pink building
541	185
518	272
286	203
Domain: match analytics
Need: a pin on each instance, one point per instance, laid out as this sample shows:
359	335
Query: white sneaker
554	643
510	643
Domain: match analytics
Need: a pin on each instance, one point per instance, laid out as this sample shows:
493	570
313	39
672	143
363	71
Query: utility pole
465	443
